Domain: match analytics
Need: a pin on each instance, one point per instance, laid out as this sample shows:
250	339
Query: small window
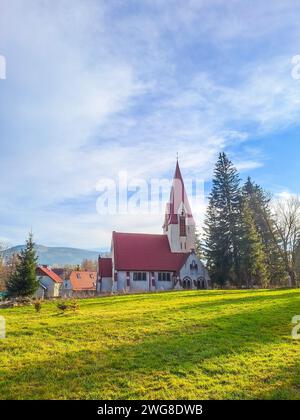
78	275
140	276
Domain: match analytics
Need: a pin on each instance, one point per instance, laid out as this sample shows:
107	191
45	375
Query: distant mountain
56	256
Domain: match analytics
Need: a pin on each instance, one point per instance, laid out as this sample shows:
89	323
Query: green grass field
176	345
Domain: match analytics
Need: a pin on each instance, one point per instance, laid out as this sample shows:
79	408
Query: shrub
38	305
74	305
64	306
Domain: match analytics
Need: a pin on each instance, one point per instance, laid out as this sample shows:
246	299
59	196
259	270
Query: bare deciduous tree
88	265
287	213
3	267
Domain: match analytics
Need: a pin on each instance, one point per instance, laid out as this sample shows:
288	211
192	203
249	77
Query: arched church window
182	226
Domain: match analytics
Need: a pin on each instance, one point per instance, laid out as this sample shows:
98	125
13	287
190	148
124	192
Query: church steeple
179	223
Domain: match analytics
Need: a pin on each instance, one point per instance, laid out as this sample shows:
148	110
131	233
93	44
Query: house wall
83	293
66	289
52	287
40	293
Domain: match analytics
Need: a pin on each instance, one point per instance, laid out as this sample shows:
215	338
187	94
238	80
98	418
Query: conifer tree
198	245
252	249
223	224
23	280
259	203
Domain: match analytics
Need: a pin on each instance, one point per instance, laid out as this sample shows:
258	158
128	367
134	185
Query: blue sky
93	87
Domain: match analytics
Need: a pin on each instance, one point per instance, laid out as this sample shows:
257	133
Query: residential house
50	282
79	284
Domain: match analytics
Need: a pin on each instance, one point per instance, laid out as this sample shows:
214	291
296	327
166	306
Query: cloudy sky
94	87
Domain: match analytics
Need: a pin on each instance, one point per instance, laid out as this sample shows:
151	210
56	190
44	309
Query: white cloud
94	92
285	195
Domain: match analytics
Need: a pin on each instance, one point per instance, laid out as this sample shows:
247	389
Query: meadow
174	345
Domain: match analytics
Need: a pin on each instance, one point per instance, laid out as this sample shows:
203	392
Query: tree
297	265
223	224
259	205
2	274
88	265
198	245
3	266
252	249
23	280
288	224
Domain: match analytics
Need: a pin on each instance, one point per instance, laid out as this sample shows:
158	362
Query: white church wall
122	281
190	239
106	285
144	285
194	274
164	285
173	235
138	285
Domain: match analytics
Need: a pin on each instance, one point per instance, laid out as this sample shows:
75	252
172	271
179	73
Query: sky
95	87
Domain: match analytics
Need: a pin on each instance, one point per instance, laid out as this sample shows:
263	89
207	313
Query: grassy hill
190	344
56	256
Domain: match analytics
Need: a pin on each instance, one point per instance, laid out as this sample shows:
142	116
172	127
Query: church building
147	262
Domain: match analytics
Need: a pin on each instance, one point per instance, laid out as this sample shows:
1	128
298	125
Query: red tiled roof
83	280
43	270
139	251
105	267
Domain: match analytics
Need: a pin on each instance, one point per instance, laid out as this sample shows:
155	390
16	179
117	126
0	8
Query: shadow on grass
239	301
116	372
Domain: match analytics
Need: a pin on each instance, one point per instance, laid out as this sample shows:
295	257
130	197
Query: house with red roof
50	282
164	261
79	284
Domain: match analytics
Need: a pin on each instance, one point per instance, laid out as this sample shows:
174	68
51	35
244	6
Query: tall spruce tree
259	205
253	256
23	280
223	224
198	245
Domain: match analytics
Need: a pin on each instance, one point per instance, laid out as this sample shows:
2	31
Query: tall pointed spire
178	198
178	209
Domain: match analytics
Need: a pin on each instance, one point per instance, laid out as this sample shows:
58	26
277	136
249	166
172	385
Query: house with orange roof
79	284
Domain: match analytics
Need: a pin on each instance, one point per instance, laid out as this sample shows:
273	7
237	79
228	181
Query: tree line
249	242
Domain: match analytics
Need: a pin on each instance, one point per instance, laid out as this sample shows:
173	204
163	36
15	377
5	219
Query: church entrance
201	283
187	283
